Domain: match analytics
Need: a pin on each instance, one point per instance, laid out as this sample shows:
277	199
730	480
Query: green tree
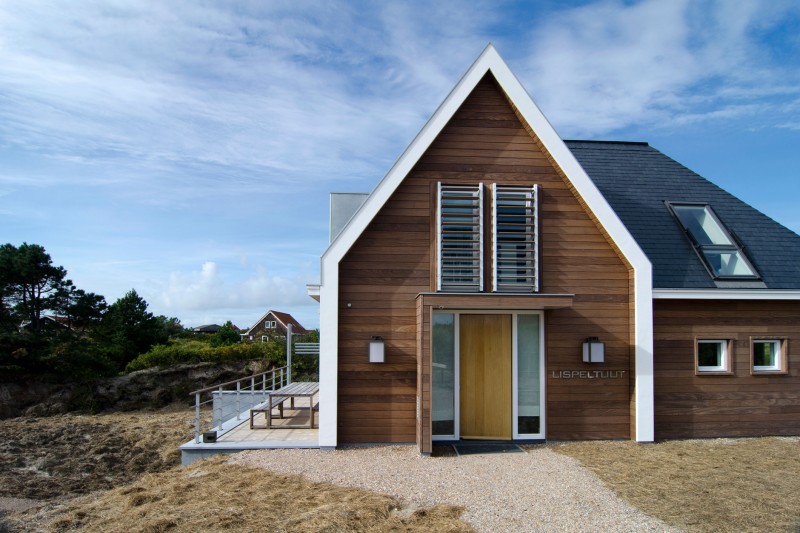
226	335
30	285
173	328
84	310
129	329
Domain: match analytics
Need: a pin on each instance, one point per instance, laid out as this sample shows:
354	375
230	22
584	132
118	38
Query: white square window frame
781	365
726	357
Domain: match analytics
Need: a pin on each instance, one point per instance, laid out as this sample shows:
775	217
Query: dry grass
51	457
213	495
703	485
126	464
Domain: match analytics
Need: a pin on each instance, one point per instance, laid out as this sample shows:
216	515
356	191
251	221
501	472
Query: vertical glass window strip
528	379
460	232
515	239
443	375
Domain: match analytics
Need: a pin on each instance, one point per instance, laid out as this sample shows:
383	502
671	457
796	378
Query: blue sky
187	148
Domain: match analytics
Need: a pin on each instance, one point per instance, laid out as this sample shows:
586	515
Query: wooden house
272	324
502	283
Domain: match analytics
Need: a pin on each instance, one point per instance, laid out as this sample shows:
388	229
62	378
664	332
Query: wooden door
485	390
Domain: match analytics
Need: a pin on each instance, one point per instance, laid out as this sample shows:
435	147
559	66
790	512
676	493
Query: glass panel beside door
443	376
528	370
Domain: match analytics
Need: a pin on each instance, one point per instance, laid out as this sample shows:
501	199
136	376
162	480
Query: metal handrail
278	377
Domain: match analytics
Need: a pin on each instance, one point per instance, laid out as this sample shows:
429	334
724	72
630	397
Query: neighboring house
494	261
272	324
208	329
48	323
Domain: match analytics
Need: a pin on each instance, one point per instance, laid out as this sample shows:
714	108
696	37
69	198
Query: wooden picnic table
276	398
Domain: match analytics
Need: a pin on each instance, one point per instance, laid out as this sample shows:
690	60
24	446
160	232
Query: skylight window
713	242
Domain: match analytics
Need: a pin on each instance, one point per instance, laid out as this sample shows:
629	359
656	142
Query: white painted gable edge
488	61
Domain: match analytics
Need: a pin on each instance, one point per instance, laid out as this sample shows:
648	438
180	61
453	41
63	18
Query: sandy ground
13	505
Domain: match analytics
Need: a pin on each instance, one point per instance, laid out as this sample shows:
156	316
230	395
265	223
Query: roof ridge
593	141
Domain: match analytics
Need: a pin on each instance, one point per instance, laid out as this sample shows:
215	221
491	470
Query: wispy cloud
612	64
155	137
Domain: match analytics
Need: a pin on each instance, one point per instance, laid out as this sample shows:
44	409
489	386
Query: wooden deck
240	437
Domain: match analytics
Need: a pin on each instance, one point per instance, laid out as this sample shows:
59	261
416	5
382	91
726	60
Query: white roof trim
489	61
726	294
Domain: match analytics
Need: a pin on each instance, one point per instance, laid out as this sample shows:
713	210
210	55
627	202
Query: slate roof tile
637	180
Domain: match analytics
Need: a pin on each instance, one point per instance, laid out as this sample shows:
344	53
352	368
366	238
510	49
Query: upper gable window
721	254
460	238
515	247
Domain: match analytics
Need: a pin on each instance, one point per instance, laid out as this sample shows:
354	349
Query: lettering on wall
587	374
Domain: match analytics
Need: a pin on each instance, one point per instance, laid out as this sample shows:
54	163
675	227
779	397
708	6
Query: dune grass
703	485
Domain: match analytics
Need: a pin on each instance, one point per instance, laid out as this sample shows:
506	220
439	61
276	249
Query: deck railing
246	393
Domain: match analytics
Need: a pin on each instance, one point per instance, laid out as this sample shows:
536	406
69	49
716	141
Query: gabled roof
283	318
488	62
636	179
286	319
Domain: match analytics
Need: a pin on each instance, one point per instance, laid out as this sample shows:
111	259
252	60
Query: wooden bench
300	389
263	407
314	409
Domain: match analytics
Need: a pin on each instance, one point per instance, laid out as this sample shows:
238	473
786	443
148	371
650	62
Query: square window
768	355
713	356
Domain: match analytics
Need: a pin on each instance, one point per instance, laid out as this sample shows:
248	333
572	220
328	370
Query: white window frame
781	355
531	195
441	284
725	354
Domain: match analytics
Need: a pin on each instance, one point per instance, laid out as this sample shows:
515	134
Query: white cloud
208	288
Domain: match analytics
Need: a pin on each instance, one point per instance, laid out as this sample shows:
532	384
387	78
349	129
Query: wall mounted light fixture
376	350
593	350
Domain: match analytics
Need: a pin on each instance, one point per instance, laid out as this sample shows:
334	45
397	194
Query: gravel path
536	491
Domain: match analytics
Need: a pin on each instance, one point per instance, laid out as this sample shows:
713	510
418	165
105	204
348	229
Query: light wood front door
485	389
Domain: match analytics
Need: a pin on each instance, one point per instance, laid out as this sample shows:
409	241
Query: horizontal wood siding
737	405
394	260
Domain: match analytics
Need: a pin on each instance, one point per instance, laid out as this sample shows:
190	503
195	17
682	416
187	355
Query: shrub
193	351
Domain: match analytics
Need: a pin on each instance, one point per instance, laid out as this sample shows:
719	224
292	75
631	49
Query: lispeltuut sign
587	374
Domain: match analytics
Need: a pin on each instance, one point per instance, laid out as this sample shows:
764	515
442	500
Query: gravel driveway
535	491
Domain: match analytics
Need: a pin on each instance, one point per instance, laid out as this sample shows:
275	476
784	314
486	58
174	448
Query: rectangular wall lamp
376	350
593	351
